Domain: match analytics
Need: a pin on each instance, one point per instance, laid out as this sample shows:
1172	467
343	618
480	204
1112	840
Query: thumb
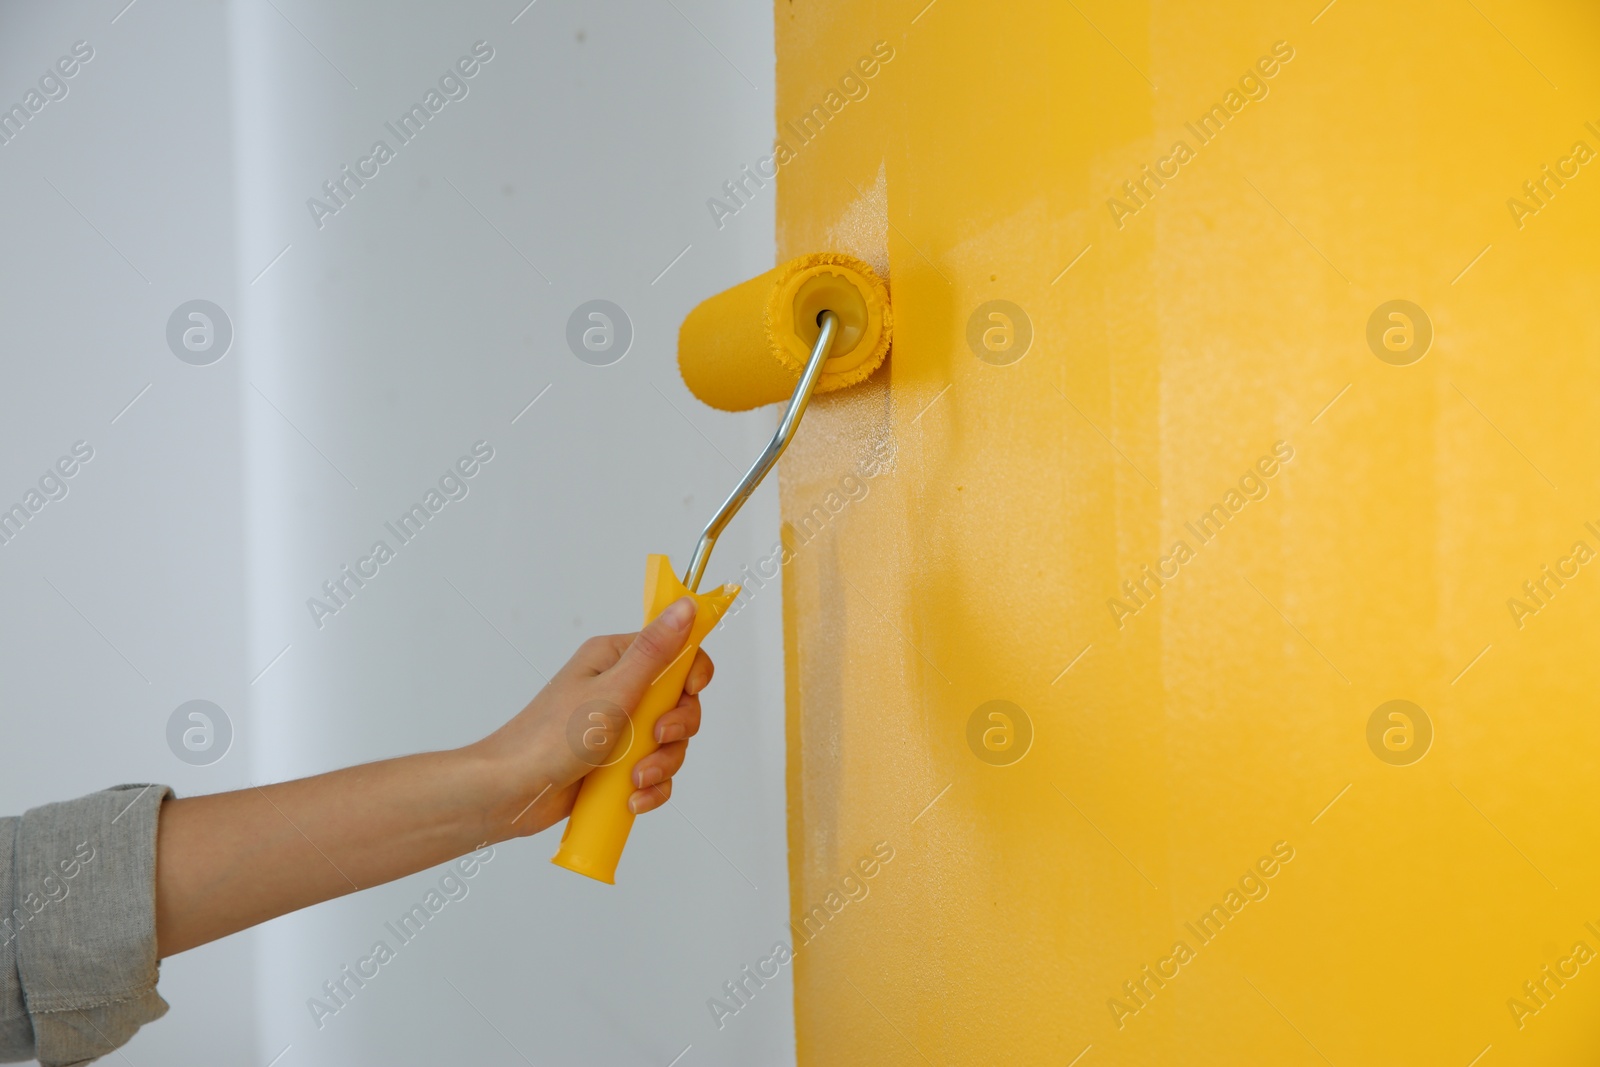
655	647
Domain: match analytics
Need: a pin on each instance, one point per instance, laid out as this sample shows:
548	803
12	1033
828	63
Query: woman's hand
231	860
576	721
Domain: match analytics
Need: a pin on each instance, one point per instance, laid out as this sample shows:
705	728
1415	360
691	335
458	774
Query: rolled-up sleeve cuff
84	921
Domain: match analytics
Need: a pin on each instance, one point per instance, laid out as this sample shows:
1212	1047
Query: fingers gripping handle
600	822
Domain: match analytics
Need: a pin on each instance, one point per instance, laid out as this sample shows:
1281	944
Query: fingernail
680	614
634	803
669	732
647	776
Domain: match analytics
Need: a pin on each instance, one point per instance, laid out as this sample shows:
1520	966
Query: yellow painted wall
996	509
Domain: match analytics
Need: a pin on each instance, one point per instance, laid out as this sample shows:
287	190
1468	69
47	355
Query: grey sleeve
78	962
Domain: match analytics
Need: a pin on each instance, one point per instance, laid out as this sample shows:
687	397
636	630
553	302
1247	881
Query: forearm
232	860
228	861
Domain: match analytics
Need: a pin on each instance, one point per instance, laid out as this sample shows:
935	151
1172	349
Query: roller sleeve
746	346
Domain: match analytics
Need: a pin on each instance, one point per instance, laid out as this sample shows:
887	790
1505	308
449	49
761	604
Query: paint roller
813	325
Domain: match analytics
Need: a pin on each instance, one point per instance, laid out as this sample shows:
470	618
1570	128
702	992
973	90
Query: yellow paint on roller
600	822
747	346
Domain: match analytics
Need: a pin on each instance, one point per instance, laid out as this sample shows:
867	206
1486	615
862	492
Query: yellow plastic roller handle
600	822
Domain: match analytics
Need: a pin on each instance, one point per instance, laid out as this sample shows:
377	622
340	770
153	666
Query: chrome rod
780	441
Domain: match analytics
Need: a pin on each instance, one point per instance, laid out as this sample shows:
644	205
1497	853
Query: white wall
366	359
